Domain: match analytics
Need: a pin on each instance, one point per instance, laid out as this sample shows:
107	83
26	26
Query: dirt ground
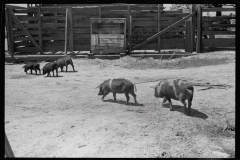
64	117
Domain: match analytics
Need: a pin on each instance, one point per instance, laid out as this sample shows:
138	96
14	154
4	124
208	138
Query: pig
119	85
32	66
51	66
64	61
176	89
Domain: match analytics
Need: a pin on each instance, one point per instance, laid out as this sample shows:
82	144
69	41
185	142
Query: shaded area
123	102
193	113
68	71
53	76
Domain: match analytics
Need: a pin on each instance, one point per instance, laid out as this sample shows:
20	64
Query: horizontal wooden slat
37	38
43	25
163	46
25	10
219	42
81	30
107	8
141	30
52	10
155	19
139	8
219	25
14	7
53	18
26	49
154	23
166	14
26	18
162	36
218	9
34	32
219	33
81	47
92	11
23	44
217	18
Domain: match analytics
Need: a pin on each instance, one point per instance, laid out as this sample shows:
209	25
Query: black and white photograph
119	80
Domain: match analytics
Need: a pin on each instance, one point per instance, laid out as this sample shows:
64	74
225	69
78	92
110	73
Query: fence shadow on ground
123	102
194	112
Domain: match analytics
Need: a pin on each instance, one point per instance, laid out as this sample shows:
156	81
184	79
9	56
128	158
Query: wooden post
40	29
55	14
129	31
70	29
188	36
9	32
125	39
100	11
66	32
199	29
193	28
159	27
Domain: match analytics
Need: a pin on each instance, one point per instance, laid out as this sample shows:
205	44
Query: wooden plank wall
220	31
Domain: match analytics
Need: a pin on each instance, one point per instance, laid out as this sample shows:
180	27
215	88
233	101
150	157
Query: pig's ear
98	86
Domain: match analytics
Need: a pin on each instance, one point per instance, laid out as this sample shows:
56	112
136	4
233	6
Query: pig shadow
123	102
193	112
68	71
53	77
34	74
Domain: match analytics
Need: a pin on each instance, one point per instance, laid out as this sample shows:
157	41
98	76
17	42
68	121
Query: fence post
55	14
129	44
100	11
66	32
188	35
193	28
70	29
40	29
159	27
199	29
9	33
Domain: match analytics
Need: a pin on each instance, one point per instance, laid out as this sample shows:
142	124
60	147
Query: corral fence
41	29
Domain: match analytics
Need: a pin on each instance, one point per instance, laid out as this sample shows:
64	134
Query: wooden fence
42	29
216	32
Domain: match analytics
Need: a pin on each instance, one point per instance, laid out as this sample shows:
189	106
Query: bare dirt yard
64	117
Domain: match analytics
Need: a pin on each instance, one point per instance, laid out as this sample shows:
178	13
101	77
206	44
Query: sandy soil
64	117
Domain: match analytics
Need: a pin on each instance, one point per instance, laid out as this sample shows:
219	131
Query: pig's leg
114	96
127	96
104	94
